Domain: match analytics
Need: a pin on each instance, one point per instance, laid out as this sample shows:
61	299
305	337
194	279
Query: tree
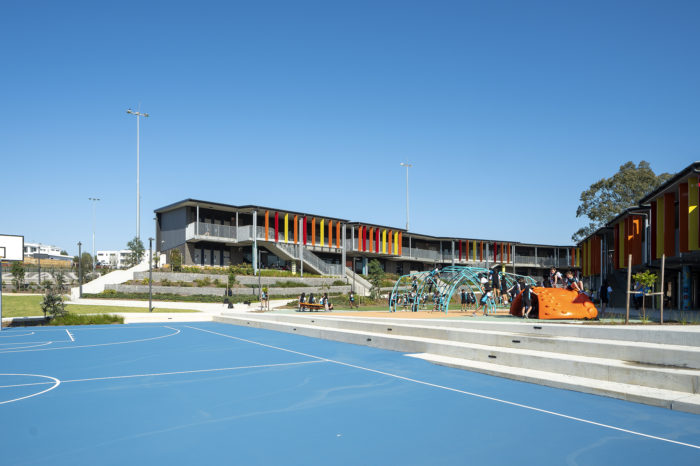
176	260
60	278
17	270
609	197
376	274
64	252
85	262
137	252
53	303
647	280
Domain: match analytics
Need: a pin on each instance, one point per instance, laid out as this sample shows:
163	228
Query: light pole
138	114
38	258
80	268
407	165
150	274
93	199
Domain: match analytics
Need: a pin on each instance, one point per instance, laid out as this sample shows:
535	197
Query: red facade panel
669	225
653	230
683	217
304	229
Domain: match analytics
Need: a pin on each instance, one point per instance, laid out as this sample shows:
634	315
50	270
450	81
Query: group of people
323	300
569	281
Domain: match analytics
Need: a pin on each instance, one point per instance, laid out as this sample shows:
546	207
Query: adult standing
527	301
604	296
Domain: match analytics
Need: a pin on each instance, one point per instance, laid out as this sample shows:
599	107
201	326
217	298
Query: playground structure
557	303
422	286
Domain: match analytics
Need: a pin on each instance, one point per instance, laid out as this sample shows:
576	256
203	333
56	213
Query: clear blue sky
507	109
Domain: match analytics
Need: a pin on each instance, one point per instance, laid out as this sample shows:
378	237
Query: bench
312	306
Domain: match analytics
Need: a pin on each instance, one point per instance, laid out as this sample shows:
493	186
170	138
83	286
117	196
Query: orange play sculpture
557	303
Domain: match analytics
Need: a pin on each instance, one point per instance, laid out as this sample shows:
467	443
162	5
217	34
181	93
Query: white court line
71	336
55	382
9	350
176	331
196	371
20	335
21	343
477	395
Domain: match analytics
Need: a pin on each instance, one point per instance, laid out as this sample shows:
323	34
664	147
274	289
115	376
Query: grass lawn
24	306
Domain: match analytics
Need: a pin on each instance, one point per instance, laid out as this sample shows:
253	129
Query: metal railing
311	259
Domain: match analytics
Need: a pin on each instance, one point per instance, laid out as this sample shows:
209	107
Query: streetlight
138	114
93	199
150	274
407	165
38	258
80	269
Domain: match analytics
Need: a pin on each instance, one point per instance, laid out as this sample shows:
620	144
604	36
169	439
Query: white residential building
115	259
45	251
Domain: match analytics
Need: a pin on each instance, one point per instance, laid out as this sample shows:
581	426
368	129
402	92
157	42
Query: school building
665	224
214	234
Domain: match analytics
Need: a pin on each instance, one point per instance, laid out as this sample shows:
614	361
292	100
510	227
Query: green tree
176	260
86	262
608	197
376	274
17	270
64	252
647	280
53	303
60	279
137	251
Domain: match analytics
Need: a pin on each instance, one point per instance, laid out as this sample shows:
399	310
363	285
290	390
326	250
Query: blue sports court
211	393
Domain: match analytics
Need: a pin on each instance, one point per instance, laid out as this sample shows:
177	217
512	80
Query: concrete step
679	401
678	356
605	369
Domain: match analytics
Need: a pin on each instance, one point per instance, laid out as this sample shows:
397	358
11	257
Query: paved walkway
202	311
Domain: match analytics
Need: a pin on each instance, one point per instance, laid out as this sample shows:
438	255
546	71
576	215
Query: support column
343	253
453	252
196	229
255	241
301	246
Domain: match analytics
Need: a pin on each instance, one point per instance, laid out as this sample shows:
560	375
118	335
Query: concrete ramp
557	303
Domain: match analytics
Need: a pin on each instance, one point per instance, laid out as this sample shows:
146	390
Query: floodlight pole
80	269
138	115
93	199
407	165
38	258
150	274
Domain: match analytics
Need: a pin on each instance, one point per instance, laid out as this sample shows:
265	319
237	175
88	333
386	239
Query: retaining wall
212	291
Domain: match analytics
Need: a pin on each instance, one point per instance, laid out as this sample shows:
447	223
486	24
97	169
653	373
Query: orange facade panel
267	224
296	229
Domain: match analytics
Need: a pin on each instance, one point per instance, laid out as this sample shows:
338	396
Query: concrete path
202	311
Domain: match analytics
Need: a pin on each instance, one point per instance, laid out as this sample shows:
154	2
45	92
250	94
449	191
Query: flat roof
250	208
189	202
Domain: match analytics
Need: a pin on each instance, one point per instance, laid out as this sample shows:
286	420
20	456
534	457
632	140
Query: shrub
86	319
165	282
176	260
339	283
53	304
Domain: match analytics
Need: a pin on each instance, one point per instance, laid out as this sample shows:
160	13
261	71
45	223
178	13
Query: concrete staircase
654	365
362	286
113	278
312	262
